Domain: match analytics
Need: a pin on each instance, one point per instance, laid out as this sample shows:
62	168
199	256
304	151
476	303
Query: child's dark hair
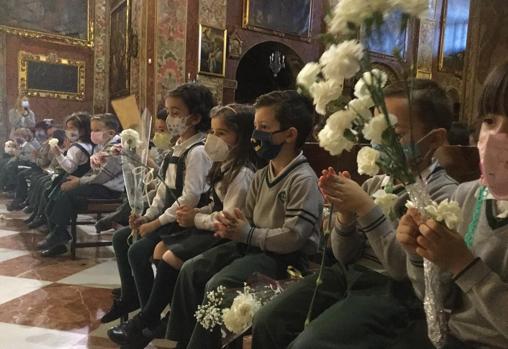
109	120
291	110
240	119
458	134
81	120
494	97
60	135
198	99
429	101
42	125
162	114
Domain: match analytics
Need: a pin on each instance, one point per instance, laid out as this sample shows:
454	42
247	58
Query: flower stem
319	279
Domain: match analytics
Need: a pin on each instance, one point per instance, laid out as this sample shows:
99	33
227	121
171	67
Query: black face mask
263	144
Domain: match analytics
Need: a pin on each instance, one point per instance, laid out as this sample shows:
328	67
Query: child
105	182
230	177
364	305
25	156
475	256
279	226
188	106
75	161
161	138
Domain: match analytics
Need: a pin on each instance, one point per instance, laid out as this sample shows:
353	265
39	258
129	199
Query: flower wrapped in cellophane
365	118
134	150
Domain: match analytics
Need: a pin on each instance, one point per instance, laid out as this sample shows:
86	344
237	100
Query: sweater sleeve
302	216
70	162
347	242
197	165
111	169
486	292
234	198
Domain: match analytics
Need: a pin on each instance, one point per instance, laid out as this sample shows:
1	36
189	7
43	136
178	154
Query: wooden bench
93	207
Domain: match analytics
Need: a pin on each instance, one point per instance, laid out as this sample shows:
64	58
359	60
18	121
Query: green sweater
479	315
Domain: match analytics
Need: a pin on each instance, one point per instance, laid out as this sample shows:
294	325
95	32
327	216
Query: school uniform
285	213
103	183
134	266
367	303
477	296
25	157
191	242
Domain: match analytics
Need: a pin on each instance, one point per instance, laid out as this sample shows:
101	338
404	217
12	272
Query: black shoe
103	225
131	332
118	310
28	210
117	293
54	251
53	239
37	222
15	206
32	217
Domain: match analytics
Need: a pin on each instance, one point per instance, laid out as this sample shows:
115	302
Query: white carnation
339	121
417	8
323	92
333	142
354	12
53	142
361	106
446	211
385	201
239	316
130	139
367	161
308	75
374	129
376	78
342	60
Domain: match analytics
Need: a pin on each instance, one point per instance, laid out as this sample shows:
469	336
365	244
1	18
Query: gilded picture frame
52	36
119	52
71	75
287	17
212	51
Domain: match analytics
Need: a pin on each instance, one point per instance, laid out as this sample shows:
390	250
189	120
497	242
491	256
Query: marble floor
53	302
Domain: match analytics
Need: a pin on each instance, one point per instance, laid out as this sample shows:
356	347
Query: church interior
158	151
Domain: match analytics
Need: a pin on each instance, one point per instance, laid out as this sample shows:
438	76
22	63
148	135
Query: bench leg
74	237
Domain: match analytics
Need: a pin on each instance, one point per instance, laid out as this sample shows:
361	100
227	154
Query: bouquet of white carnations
349	122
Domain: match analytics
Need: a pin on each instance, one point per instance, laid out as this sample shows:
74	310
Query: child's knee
170	258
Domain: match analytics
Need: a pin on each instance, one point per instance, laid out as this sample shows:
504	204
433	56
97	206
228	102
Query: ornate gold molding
23	61
56	38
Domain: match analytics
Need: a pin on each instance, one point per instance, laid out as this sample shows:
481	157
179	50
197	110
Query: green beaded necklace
471	228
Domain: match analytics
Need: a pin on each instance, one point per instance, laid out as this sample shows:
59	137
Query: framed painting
60	21
51	76
291	17
119	59
392	36
212	51
453	36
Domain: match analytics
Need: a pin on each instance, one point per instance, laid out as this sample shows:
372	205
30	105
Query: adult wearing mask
21	116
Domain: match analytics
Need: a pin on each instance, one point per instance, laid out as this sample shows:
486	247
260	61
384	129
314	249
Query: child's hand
70	183
407	230
55	150
346	195
149	227
185	216
135	221
229	226
443	247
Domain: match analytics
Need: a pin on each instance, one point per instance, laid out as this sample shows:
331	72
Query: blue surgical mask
413	150
263	144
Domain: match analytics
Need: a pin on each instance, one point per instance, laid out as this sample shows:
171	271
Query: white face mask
216	148
176	126
9	150
25	104
72	136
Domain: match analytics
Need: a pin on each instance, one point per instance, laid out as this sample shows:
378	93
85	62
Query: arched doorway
255	77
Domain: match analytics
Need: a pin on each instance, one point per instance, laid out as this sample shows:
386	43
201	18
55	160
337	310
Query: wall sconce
277	62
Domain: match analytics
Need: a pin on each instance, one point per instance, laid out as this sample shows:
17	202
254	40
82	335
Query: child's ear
293	135
195	119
